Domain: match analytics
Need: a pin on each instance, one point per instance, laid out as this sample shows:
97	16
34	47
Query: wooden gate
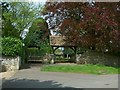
34	55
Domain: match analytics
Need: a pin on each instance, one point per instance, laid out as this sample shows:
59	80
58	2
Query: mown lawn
83	69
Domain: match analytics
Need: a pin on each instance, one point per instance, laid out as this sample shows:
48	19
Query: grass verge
84	69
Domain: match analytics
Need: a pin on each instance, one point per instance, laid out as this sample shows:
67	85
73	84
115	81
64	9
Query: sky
23	0
43	1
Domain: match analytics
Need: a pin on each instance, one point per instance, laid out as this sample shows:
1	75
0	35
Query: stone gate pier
10	63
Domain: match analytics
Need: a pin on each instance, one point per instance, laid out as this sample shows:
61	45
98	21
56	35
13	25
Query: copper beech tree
94	26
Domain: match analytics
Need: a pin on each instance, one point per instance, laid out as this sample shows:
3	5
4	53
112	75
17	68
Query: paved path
32	77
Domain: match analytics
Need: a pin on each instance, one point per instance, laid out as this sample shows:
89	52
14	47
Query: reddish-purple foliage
97	27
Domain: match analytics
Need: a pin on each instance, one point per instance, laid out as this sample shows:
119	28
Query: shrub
11	46
0	46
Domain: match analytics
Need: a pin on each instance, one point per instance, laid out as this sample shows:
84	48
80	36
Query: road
31	77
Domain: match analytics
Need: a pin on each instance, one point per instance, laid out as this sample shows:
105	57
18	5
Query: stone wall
48	58
10	63
92	57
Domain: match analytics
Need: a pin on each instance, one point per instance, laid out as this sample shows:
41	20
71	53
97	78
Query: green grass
83	69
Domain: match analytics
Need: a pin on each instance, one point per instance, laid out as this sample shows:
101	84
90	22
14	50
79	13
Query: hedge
11	46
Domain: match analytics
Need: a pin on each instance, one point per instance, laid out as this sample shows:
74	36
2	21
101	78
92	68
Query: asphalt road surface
30	76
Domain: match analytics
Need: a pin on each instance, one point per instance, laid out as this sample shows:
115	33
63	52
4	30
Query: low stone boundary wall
91	57
10	63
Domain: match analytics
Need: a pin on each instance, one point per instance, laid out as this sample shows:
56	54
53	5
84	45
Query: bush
0	46
45	47
11	46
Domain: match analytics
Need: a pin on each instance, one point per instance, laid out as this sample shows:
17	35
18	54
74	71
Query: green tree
36	33
16	17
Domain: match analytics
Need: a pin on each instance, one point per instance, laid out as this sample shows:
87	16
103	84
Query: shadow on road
25	66
30	65
29	83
